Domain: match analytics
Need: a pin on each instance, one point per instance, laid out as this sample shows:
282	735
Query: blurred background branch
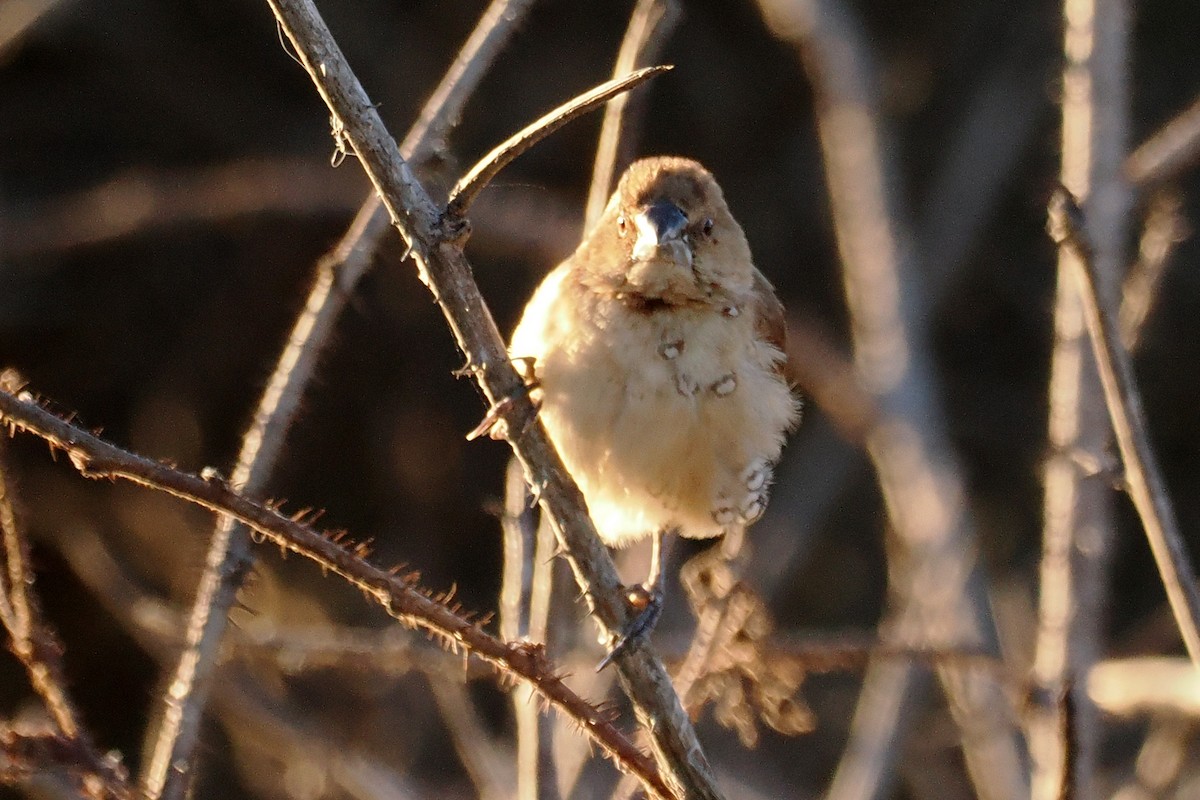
167	208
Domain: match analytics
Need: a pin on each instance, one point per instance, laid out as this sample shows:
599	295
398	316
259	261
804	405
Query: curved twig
470	185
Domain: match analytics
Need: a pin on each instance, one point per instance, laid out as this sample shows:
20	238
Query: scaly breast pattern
666	418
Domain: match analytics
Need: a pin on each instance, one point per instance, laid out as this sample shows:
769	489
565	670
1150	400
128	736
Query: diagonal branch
168	770
436	245
1174	148
1143	477
96	458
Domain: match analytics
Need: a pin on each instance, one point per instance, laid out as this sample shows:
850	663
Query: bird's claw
646	602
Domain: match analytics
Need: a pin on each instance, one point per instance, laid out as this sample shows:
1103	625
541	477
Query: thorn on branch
213	475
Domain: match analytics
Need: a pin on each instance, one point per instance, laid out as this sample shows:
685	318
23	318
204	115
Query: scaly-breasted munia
657	352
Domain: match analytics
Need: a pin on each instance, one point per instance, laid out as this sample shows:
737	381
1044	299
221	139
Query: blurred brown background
165	190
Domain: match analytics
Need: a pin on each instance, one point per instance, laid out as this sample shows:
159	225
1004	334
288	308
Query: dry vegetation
958	589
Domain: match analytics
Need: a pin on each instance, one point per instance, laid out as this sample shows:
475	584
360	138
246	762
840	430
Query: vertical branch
517	525
36	646
1077	524
527	564
30	640
941	589
228	558
650	26
540	607
1143	478
488	765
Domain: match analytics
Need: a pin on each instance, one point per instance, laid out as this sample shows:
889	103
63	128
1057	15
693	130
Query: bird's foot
646	603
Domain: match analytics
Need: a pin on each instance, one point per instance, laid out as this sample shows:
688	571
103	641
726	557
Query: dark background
162	331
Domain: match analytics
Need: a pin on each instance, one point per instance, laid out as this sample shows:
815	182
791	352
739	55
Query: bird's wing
768	314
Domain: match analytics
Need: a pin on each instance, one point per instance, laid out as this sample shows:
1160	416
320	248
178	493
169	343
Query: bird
655	355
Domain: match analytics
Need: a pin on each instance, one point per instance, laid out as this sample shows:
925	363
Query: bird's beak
660	233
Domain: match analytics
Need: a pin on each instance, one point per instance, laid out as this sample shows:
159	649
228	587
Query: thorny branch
398	595
260	727
168	772
436	245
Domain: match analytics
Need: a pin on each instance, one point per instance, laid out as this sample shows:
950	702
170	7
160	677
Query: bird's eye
622	226
707	227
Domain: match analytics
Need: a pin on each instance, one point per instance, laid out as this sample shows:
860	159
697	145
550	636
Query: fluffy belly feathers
667	419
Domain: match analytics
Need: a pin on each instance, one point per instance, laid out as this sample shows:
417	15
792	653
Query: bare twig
228	557
828	377
1125	687
96	458
36	646
1077	509
1174	148
30	639
539	754
485	761
1161	761
138	201
525	563
436	245
470	185
650	26
941	590
519	527
1162	230
1143	476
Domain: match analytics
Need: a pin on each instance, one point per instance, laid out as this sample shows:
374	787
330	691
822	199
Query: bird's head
667	238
